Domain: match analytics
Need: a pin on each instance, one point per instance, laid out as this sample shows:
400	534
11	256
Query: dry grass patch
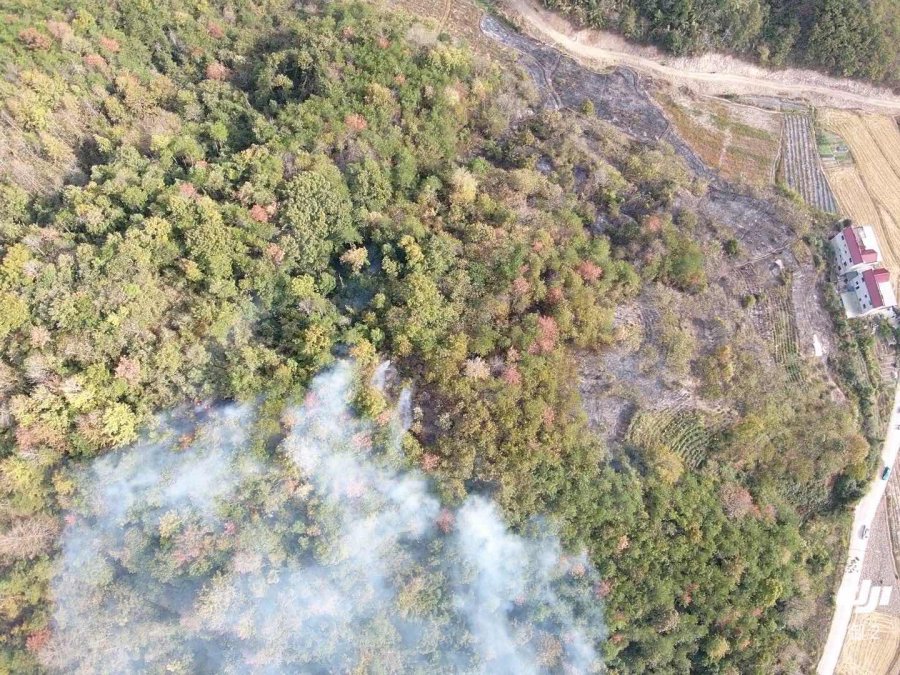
739	141
460	18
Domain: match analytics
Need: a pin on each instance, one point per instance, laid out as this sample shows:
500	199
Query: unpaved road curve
815	87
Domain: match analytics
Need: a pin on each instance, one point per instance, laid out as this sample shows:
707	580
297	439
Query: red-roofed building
864	284
873	291
855	247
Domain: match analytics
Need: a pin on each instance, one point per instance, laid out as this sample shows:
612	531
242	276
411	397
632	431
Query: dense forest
216	202
847	38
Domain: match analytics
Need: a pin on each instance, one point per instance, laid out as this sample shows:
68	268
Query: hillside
206	208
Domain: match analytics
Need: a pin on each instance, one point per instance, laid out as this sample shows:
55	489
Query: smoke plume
198	551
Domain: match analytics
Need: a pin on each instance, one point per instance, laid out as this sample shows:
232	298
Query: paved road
551	28
863	516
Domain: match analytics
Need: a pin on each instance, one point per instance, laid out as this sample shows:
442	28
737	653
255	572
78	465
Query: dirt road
863	516
712	74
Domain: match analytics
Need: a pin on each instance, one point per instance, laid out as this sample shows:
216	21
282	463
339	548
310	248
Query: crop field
684	432
832	150
784	335
739	141
872	643
801	164
869	191
774	317
887	131
892	504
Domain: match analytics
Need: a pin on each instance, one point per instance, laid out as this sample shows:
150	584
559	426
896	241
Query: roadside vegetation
204	204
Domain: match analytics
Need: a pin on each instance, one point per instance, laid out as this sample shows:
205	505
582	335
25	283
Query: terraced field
801	164
869	191
784	335
684	432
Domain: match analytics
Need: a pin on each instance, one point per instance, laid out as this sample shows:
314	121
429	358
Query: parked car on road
885	473
865	532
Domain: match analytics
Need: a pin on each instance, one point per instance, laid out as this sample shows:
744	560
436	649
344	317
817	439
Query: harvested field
869	192
887	132
872	642
739	141
892	506
801	165
853	199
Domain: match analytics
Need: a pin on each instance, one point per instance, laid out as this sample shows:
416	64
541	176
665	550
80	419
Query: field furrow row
802	169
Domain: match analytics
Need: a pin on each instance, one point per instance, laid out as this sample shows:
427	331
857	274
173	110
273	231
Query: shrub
34	40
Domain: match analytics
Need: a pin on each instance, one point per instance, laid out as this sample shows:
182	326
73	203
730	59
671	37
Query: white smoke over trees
189	552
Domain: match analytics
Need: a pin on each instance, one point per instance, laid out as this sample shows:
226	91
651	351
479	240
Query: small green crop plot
832	149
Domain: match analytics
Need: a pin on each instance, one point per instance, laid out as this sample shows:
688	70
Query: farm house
855	248
865	286
869	292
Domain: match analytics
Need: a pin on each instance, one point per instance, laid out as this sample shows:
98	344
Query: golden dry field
740	141
854	200
869	191
872	642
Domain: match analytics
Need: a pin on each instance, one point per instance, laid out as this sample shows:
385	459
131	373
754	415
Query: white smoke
194	553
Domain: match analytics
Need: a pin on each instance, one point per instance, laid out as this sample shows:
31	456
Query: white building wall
841	254
858	285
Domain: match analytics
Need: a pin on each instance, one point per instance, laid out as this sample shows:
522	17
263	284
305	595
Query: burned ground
765	300
618	96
